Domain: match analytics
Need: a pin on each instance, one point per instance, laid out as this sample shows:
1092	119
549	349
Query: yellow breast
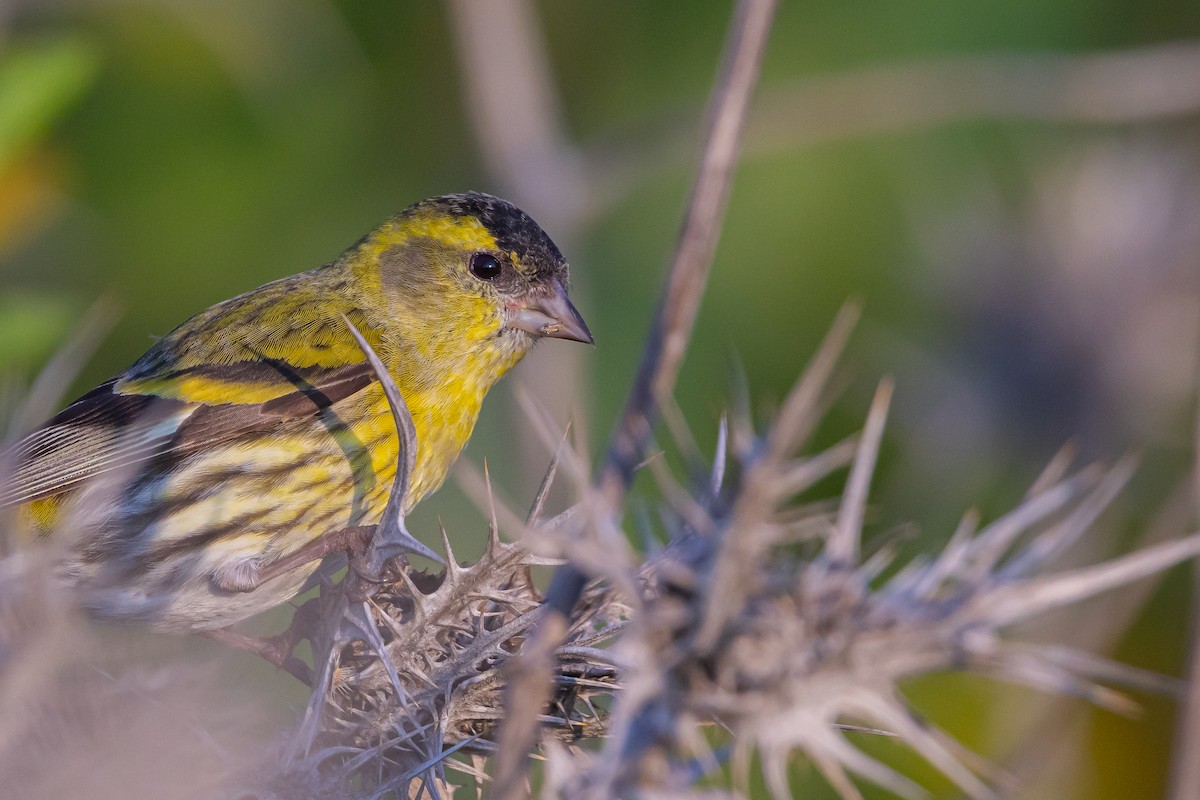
444	405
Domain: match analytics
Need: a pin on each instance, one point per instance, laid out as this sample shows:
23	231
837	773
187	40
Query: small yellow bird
258	426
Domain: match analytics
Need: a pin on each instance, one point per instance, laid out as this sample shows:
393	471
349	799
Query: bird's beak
551	315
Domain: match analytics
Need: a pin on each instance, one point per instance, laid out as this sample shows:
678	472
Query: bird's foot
277	650
353	539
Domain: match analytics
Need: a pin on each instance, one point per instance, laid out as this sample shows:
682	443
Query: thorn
478	489
836	775
774	769
717	479
539	501
739	767
1053	542
650	543
680	500
493	523
845	542
990	545
418	603
800	475
322	683
952	558
391	536
451	561
547	430
1056	469
796	417
672	415
1012	603
744	440
542	561
885	556
361	616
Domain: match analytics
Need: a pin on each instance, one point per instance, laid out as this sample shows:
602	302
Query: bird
258	426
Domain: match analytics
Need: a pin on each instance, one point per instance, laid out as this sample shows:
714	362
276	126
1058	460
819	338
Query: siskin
258	426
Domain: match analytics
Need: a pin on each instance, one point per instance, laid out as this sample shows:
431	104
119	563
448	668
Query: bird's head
473	272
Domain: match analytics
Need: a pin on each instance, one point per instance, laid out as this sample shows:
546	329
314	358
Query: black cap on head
513	229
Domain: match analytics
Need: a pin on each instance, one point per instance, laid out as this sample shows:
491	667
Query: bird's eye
485	266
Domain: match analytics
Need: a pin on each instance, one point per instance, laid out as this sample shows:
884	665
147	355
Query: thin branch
676	314
670	332
514	106
1155	83
1185	778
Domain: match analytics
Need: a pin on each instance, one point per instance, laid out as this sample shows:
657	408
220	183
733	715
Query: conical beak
551	315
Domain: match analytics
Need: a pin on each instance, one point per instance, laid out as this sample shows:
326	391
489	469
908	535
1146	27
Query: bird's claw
391	542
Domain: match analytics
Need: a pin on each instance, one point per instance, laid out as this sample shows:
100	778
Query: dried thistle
783	642
760	615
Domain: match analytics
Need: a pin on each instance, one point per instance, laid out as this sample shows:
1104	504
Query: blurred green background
1011	189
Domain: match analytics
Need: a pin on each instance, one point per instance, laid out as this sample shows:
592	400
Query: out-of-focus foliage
1027	279
38	82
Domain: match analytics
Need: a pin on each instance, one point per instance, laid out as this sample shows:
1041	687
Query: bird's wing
122	423
242	367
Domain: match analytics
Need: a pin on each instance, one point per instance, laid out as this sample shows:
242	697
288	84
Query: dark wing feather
99	432
107	430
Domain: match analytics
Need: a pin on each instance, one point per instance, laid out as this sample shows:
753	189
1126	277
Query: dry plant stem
515	110
1117	86
672	326
1130	86
669	335
1185	778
